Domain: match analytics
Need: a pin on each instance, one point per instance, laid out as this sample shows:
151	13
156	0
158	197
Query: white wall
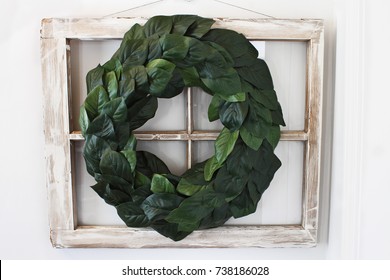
23	204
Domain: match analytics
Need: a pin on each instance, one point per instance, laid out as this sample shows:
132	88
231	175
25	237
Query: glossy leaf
116	109
141	112
132	215
130	155
157	206
95	101
83	120
213	111
160	184
114	163
211	166
232	115
224	144
95	78
111	83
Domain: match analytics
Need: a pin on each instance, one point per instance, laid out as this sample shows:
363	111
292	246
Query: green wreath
158	60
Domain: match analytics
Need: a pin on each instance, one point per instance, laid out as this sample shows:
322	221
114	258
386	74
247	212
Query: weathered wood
59	136
226	236
183	135
56	128
114	28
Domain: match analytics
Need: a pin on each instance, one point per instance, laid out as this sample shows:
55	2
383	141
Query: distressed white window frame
59	136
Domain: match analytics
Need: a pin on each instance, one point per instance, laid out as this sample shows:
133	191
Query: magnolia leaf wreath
158	60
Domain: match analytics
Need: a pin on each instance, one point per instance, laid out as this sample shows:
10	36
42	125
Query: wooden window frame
59	136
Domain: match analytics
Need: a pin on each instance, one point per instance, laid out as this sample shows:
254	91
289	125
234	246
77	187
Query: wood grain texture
221	237
55	34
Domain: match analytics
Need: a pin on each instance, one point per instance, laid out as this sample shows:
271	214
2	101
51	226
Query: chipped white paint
58	137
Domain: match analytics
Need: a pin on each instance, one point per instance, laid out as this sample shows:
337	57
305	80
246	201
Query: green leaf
157	206
266	97
211	166
232	115
200	27
238	97
154	48
250	140
187	187
115	65
160	184
160	73
95	78
111	83
115	182
223	81
190	77
192	180
224	144
131	143
213	111
95	101
277	116
131	158
174	47
114	163
116	109
102	127
141	179
257	74
231	185
148	164
273	135
132	215
93	150
181	23
234	43
83	120
141	112
112	197
135	32
158	25
140	194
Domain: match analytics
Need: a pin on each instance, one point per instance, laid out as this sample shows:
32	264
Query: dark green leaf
213	111
224	144
223	81
131	158
174	47
116	164
116	182
93	150
141	179
190	77
131	143
158	25
160	184
257	74
160	73
211	166
200	27
277	116
229	184
169	230
266	97
157	206
140	194
116	109
155	50
132	215
102	127
250	140
192	180
234	43
83	120
112	197
238	97
95	101
232	115
95	78
114	65
181	23
141	112
273	135
148	164
135	32
111	83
